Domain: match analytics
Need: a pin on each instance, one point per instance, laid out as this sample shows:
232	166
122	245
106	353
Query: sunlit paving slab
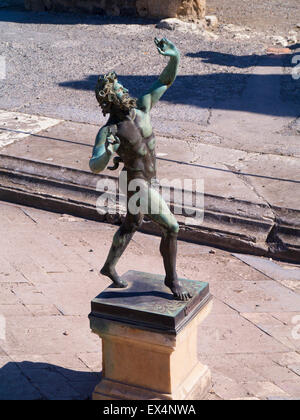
16	126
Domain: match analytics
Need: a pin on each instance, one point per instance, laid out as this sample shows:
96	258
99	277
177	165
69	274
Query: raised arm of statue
167	77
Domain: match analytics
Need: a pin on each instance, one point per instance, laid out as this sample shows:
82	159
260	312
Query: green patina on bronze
128	133
146	304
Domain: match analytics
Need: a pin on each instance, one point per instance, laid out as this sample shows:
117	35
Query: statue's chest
133	139
144	124
129	133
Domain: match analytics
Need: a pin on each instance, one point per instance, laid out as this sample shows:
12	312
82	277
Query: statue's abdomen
136	152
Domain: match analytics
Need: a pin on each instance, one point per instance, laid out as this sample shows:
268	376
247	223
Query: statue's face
119	89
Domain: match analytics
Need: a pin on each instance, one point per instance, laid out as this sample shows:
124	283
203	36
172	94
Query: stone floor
49	274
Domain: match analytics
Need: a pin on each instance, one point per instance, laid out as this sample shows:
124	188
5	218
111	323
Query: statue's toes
182	295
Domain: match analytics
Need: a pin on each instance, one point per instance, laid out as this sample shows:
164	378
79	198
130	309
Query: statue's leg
160	213
120	242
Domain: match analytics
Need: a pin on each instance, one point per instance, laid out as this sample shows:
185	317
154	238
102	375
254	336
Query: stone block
149	341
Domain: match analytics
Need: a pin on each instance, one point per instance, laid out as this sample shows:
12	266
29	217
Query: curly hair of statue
106	95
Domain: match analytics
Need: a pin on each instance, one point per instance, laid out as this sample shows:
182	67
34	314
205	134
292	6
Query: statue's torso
137	148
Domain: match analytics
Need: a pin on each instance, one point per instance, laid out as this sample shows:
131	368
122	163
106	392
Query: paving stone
77	300
226	388
291	284
263	320
51	384
92	360
286	317
232	367
72	260
277	373
4	360
271	268
251	368
20	260
86	389
262	296
264	390
29	294
279	329
59	376
28	245
221	308
244	271
7	297
12	277
69	277
280	399
290	387
48	334
22	126
244	399
14	385
14	215
43	310
211	396
295	369
65	360
8	274
14	310
285	359
223	335
254	360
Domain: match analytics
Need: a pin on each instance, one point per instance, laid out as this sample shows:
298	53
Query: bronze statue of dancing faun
128	133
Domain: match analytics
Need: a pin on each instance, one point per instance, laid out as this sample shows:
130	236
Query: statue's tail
116	160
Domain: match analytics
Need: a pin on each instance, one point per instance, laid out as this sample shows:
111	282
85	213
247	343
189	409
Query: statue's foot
113	275
179	292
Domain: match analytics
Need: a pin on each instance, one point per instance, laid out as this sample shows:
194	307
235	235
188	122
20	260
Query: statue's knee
135	223
131	224
173	228
138	222
117	240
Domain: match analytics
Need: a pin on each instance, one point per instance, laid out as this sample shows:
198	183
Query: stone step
232	224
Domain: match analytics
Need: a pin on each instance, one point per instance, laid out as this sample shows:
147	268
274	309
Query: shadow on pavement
44	381
241	61
20	15
194	90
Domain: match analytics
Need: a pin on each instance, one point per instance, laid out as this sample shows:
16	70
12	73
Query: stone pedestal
149	340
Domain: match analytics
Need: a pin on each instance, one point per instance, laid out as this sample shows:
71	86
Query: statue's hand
112	144
166	47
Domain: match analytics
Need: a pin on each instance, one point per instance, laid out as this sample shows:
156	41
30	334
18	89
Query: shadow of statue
242	61
197	89
43	381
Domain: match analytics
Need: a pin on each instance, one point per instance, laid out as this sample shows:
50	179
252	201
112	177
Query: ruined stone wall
185	9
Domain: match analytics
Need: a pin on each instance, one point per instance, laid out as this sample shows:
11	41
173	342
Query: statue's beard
119	105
